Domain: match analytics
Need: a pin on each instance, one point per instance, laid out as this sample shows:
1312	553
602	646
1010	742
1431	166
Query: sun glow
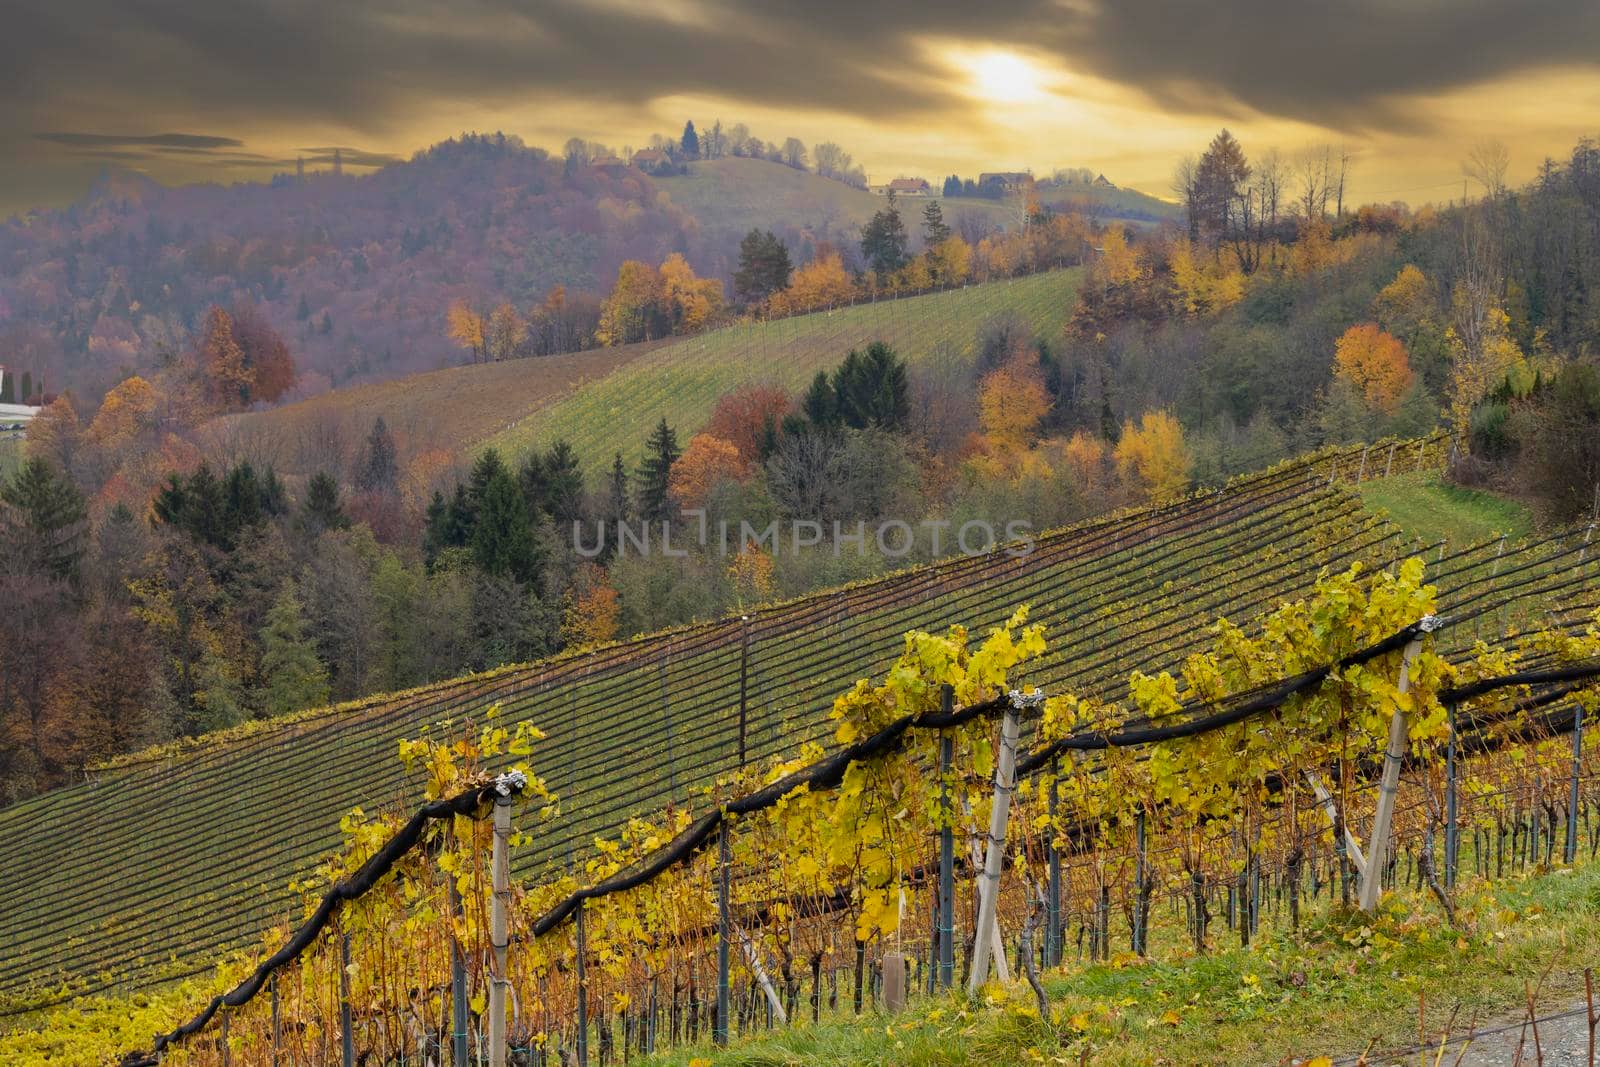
1005	78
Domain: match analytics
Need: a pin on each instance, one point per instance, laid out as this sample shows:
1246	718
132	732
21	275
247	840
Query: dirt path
1563	1042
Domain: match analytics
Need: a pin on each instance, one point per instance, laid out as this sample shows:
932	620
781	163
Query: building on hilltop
1009	181
651	159
905	187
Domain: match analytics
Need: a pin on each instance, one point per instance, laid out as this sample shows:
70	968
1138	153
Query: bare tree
1313	169
1486	164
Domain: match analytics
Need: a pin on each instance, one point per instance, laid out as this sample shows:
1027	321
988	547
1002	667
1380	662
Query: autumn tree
634	310
504	333
126	415
1203	283
593	611
822	283
764	267
1152	457
1376	363
1012	400
751	418
950	261
690	303
266	354
1482	353
467	329
1118	262
706	462
750	573
226	377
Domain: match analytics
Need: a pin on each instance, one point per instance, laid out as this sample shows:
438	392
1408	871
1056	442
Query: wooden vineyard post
1569	850
499	930
1140	898
719	1030
347	1037
1052	907
947	854
894	983
744	683
1388	786
581	947
1389	466
458	985
1005	775
277	1022
1451	831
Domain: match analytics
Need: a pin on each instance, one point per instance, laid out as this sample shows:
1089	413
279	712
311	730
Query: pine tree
883	241
53	513
435	530
502	540
563	485
820	403
691	141
8	388
872	389
661	452
295	678
322	508
764	266
302	311
617	499
934	230
379	471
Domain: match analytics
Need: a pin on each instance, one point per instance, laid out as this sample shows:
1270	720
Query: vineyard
196	852
683	380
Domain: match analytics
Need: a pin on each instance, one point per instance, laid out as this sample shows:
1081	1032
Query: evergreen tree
379	472
322	509
872	389
295	678
934	230
883	241
821	404
617	499
434	529
660	453
764	266
502	539
485	470
53	514
8	386
303	311
691	141
563	485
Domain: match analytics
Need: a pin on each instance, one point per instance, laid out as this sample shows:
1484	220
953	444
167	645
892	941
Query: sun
1005	78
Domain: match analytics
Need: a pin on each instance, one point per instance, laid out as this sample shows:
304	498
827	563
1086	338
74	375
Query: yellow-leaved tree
1152	458
1376	363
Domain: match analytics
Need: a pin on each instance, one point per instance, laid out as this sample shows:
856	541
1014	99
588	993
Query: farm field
683	380
632	726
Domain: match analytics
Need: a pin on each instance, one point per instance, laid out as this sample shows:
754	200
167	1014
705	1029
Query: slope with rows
158	865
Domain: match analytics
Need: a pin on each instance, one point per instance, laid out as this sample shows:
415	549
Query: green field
1427	507
156	865
10	455
683	380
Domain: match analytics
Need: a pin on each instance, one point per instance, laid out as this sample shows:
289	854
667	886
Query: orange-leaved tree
707	462
1375	362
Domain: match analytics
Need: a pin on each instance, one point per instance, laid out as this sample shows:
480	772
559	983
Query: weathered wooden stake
1052	906
1139	897
1388	788
719	1030
1451	831
346	1027
499	929
458	987
994	858
1569	851
582	953
744	681
277	1023
947	854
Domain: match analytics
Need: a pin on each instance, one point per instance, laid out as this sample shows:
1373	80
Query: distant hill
606	400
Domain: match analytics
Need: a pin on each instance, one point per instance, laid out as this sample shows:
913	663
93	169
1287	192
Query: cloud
267	68
169	142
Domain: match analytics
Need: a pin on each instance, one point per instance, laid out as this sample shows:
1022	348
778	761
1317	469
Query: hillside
606	400
683	380
729	197
156	864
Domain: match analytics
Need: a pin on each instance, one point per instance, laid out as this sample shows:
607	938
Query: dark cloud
166	142
368	65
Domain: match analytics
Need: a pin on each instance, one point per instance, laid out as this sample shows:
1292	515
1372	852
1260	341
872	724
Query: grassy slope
166	855
1429	509
683	380
1342	982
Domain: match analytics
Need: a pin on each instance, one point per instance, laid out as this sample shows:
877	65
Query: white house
14	418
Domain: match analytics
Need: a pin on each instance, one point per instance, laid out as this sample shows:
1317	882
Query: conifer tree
295	677
53	513
322	509
661	452
379	471
934	229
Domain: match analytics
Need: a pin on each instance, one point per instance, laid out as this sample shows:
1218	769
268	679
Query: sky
197	90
